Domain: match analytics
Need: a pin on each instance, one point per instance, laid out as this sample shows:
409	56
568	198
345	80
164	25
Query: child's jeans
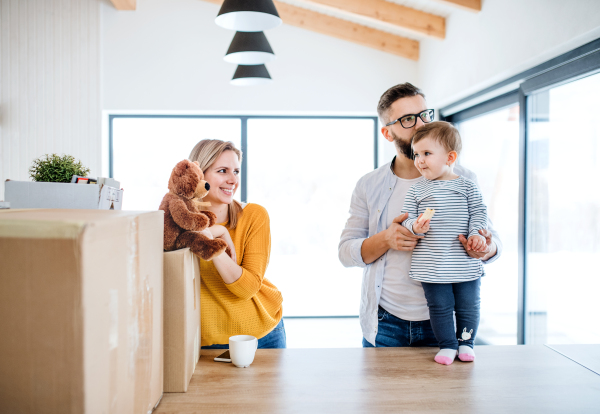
442	300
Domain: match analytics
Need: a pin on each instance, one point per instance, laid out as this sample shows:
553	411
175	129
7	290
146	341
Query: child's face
432	160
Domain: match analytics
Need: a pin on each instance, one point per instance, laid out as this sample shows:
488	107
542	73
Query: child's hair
443	132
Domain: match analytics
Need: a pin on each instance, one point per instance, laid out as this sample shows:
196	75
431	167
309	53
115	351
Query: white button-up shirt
368	211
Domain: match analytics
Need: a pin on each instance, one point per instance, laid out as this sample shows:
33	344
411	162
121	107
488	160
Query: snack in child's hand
428	214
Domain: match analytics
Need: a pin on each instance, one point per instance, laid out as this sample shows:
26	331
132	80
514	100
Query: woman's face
223	177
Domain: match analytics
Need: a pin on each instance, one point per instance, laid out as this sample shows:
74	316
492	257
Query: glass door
563	214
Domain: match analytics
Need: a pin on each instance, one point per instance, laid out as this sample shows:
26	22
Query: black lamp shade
251	75
249	48
248	15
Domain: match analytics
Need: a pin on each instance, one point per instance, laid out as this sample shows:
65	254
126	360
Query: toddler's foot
466	353
445	356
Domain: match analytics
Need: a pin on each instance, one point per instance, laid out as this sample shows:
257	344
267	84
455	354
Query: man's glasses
409	121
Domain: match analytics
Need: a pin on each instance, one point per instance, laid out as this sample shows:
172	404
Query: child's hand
476	243
422	226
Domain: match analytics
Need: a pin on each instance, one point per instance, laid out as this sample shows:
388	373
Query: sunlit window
563	214
491	150
303	171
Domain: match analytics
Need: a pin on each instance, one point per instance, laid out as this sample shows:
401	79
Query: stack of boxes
81	312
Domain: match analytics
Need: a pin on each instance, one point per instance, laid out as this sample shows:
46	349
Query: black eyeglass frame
415	115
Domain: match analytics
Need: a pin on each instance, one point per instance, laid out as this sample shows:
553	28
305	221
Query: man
393	309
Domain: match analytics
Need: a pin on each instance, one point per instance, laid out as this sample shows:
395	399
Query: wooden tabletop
503	379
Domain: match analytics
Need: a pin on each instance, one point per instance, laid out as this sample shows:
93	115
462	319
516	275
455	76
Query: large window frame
571	66
244	135
247	155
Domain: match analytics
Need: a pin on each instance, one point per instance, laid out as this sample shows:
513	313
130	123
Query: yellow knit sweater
252	304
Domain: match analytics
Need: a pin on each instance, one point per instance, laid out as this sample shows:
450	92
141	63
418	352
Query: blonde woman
236	298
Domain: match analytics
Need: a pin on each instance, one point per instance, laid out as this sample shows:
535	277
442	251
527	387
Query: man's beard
405	148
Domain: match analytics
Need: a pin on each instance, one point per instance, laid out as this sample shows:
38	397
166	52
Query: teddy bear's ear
197	163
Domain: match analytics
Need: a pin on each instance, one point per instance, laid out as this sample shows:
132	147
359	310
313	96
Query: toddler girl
450	277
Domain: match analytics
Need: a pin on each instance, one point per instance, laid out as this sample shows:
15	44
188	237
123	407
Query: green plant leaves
57	169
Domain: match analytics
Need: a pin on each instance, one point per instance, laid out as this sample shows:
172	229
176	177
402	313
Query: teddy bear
183	220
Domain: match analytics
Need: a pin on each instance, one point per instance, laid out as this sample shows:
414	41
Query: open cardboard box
30	194
81	319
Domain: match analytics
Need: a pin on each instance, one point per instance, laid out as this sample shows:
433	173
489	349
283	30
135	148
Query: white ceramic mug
242	349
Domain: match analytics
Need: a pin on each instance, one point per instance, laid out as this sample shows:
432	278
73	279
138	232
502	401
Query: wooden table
503	379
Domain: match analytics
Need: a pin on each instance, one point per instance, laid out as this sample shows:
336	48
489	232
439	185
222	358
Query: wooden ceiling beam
469	5
124	4
406	18
345	30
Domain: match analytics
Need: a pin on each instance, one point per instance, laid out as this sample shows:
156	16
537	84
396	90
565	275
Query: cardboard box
30	194
80	311
181	318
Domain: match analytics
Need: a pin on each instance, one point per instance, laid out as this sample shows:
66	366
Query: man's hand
399	237
488	250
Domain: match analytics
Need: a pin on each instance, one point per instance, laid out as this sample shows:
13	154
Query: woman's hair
206	153
443	132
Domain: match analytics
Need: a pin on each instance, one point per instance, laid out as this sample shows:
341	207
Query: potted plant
50	174
56	169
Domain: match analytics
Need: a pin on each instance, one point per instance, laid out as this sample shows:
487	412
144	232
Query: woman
236	298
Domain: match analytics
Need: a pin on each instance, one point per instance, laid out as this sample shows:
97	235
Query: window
563	226
549	176
490	149
302	170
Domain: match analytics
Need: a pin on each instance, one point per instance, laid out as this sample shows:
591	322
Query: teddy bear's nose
207	186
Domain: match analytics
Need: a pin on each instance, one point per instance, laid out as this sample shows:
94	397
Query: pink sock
466	353
445	356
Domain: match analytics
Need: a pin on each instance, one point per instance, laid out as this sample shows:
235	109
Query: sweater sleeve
478	218
257	248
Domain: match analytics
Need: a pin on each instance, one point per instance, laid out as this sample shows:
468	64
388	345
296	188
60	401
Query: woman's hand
220	232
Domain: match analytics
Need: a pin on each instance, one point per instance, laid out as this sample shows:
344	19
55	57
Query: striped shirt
459	209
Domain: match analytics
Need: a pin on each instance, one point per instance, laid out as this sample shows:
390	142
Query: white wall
49	83
168	56
505	38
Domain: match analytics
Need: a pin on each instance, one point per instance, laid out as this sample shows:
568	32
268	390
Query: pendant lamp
249	48
248	15
251	75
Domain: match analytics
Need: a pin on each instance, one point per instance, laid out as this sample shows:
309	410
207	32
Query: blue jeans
443	299
393	331
274	339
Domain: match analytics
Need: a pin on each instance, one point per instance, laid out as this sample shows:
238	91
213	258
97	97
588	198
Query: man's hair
443	132
404	90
